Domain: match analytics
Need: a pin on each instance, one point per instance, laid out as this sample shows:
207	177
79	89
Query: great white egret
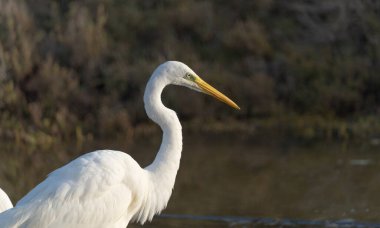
108	188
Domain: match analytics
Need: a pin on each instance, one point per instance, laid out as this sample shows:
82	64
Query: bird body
84	192
108	188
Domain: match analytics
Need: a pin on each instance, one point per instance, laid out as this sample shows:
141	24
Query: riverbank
298	128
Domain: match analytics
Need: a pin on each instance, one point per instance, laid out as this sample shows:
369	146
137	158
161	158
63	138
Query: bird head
180	74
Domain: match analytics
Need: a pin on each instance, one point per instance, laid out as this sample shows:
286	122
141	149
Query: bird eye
189	76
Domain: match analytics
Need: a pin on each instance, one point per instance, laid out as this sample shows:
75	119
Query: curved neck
166	163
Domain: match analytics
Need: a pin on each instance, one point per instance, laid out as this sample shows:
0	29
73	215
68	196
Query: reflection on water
226	175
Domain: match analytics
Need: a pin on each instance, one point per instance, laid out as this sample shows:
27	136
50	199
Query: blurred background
304	72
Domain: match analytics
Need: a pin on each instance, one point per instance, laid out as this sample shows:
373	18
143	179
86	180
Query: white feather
5	202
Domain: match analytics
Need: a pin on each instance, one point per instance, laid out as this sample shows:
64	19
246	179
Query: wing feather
94	190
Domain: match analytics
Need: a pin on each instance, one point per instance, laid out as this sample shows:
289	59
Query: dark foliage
78	69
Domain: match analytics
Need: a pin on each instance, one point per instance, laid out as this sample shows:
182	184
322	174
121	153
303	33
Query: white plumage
108	188
5	202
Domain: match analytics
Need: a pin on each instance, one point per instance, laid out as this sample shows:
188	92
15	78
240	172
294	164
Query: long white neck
168	157
164	168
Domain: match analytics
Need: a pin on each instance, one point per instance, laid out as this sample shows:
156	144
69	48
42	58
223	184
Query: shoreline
293	128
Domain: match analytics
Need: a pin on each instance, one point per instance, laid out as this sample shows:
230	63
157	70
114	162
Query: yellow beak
208	89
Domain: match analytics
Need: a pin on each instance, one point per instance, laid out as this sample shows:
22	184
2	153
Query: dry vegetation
77	69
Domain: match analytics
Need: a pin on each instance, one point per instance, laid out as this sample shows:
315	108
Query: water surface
239	176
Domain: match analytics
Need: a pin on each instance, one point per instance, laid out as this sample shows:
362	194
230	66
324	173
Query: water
237	180
233	221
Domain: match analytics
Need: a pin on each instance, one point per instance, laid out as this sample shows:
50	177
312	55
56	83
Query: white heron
107	188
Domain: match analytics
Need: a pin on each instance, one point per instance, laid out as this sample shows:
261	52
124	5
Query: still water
236	180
